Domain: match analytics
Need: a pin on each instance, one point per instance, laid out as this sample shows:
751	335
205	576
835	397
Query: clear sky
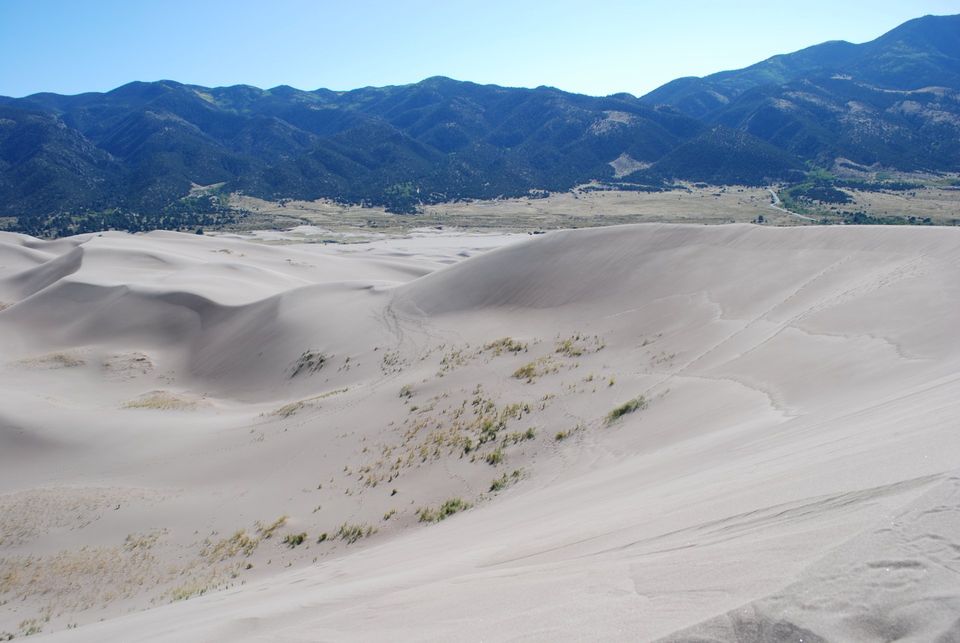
593	47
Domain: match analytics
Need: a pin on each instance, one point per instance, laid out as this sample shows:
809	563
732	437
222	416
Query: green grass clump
636	404
447	509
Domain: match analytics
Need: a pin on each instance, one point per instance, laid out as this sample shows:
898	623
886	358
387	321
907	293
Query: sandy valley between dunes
678	432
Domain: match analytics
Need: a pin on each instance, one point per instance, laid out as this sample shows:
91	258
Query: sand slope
789	470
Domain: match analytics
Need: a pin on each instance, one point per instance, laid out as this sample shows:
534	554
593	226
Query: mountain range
138	153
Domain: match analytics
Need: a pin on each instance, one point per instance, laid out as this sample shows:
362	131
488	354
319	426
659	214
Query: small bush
495	457
526	372
266	531
239	542
293	540
354	532
518	436
505	345
309	362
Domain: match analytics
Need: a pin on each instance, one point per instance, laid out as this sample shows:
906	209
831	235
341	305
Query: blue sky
597	47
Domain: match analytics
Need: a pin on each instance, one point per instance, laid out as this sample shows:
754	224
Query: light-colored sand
174	406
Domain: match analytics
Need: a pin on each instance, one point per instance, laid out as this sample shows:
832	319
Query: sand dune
657	431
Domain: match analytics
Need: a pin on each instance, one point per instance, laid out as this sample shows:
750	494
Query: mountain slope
725	156
828	118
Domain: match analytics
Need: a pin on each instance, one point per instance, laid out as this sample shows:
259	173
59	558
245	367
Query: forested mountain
130	157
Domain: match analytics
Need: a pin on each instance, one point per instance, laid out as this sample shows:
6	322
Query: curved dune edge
719	433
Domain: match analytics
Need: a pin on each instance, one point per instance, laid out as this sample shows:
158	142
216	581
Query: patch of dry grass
53	361
351	533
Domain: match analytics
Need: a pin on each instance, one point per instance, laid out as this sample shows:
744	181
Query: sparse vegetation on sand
447	509
53	360
31	626
308	363
288	410
636	404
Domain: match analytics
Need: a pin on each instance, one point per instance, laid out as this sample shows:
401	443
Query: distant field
577	209
584	208
940	205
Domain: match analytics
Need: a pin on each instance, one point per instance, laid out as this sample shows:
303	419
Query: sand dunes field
686	433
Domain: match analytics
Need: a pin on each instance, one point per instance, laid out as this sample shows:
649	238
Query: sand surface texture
643	432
